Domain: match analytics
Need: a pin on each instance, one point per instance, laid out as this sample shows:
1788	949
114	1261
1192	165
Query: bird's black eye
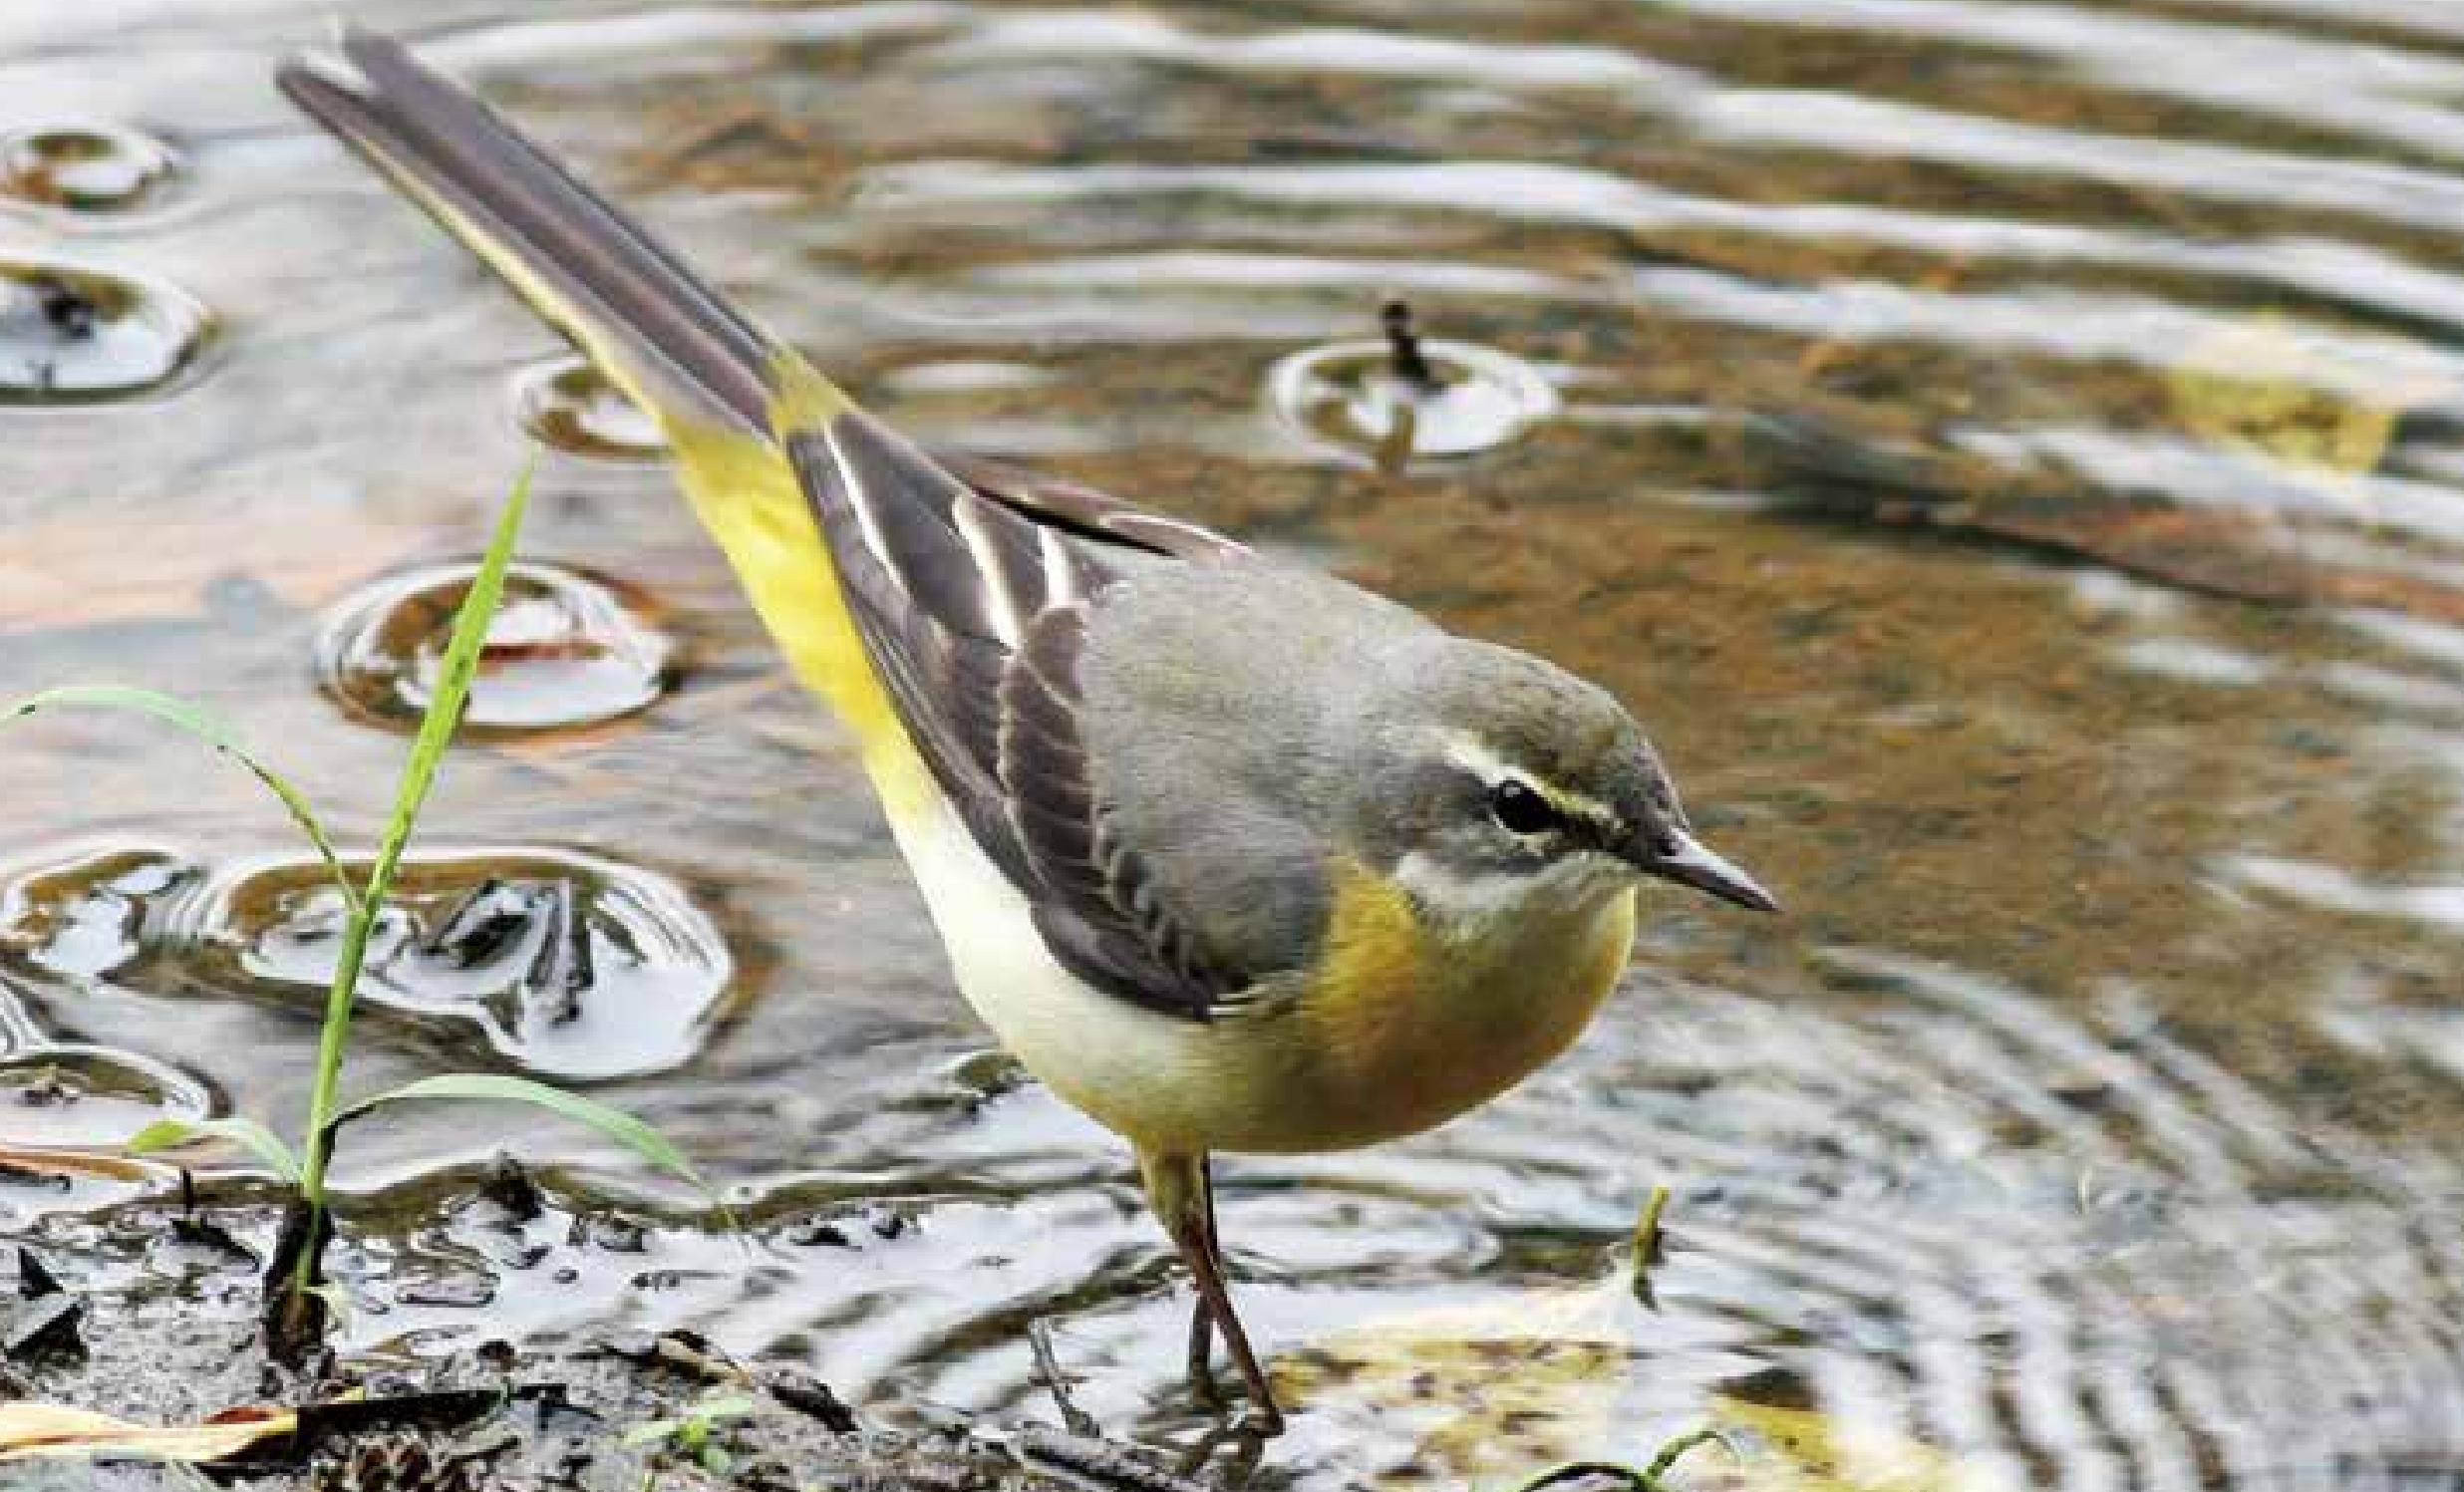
1519	809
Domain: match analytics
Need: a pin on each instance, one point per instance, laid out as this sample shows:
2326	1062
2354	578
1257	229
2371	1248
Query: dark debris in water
42	1321
1411	364
71	311
41	1326
1834	470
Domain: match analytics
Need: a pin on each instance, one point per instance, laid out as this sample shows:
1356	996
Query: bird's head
1501	778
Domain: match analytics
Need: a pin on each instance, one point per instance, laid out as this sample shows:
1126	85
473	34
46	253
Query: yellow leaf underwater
29	1431
1485	1392
2267	387
1806	1450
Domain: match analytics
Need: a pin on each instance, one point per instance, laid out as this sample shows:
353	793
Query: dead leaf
31	1432
87	1164
1808	1451
1490	1390
2266	387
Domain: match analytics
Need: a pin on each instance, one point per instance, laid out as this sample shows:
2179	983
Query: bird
1232	855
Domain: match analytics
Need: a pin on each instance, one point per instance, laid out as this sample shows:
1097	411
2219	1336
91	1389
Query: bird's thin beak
1694	864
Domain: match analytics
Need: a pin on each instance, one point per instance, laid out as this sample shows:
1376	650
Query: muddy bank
628	1412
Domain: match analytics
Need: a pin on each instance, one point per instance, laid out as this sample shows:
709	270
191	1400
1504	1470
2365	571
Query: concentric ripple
66	922
566	649
563	964
2094	1122
87	916
82	167
73	1096
1352	398
74	334
571	406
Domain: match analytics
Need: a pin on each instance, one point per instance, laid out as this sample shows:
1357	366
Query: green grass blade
250	1135
460	667
206	729
634	1134
444	710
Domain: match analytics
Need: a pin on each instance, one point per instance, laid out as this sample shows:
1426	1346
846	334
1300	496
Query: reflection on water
1890	399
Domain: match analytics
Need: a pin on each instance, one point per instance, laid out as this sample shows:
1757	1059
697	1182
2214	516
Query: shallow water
1928	387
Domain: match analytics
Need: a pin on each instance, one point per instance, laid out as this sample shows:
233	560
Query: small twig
1103	1462
1404	347
1056	1383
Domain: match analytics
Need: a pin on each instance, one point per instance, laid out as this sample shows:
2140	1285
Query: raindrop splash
82	167
1389	401
571	406
69	335
78	1097
565	650
564	964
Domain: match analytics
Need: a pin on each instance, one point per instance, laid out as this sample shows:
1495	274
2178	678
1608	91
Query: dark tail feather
601	279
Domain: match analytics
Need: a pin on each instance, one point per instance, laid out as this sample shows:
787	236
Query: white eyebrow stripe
1473	756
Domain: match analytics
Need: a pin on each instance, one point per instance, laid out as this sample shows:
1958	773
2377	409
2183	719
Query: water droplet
75	334
83	167
85	917
1350	398
68	1095
567	966
565	650
571	406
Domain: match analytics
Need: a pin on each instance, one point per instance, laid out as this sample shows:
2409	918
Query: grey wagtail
1232	855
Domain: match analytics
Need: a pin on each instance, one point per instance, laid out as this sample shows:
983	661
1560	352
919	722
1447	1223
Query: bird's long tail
630	304
726	395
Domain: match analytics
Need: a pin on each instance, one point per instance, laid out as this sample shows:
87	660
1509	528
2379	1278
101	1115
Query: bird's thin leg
1218	1298
1201	1318
1176	1189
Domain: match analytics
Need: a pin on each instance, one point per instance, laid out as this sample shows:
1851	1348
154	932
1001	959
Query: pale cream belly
1268	1078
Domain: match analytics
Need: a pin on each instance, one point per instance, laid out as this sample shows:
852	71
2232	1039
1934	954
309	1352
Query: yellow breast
1404	1028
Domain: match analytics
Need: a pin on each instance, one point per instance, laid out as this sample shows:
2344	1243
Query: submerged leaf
2265	387
1493	1391
1808	1451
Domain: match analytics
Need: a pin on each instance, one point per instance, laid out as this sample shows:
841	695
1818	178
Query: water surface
2008	452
